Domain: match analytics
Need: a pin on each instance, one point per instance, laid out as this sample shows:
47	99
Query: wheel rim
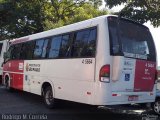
157	107
49	97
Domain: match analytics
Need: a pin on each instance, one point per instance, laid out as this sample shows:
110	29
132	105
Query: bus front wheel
48	97
7	83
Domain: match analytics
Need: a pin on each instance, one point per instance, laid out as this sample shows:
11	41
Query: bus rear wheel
156	106
48	97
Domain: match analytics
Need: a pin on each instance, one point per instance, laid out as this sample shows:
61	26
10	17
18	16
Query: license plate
133	98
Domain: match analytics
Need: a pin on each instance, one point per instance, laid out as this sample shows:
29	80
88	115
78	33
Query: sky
156	36
154	31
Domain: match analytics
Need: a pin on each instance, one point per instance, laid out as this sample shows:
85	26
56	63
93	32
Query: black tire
156	106
7	84
48	97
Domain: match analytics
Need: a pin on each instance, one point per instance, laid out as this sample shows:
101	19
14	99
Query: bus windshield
130	39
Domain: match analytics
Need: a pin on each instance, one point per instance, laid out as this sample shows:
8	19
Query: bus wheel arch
47	92
7	81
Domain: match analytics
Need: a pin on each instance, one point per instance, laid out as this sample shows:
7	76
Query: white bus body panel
72	80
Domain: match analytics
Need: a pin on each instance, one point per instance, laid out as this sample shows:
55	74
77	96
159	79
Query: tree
86	11
5	12
21	17
96	3
73	12
24	17
139	10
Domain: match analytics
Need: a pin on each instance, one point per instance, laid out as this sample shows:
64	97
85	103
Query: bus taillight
104	75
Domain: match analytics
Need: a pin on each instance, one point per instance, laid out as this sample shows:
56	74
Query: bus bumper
131	98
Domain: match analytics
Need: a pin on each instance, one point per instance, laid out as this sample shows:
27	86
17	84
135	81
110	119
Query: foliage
83	12
139	10
24	17
96	3
21	18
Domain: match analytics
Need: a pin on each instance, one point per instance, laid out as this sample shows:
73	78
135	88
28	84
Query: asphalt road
22	105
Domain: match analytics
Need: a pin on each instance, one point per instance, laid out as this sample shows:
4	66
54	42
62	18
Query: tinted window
135	40
85	43
90	46
27	50
55	47
38	48
114	43
16	51
65	48
45	48
132	39
10	51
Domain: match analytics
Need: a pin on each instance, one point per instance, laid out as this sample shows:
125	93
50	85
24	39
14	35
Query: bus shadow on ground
67	110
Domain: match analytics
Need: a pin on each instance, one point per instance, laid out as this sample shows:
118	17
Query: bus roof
64	29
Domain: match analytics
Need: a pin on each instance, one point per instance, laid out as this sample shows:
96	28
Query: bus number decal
149	65
87	61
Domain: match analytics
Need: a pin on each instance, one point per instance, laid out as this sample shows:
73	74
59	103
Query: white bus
101	61
3	48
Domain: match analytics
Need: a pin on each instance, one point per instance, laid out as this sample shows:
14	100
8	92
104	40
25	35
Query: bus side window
65	49
84	43
90	46
23	51
10	53
30	48
55	47
38	48
16	51
45	47
27	50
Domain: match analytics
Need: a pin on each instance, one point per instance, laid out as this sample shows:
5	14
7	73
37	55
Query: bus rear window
130	39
